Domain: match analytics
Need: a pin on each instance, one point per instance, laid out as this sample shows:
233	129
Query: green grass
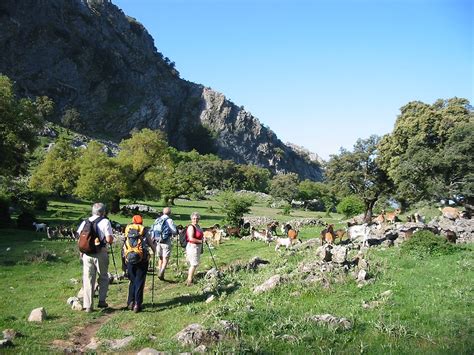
430	310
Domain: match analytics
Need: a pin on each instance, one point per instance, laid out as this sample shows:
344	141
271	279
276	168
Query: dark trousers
137	276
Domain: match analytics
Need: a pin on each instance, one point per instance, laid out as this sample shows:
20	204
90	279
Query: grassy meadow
430	309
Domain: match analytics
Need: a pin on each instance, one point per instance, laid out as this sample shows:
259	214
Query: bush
350	206
425	243
234	206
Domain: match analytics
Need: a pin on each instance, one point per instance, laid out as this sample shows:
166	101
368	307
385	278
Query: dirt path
83	335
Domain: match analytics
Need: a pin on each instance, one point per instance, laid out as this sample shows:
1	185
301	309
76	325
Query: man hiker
96	262
163	230
135	253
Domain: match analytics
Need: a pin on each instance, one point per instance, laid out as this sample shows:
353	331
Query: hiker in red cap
135	254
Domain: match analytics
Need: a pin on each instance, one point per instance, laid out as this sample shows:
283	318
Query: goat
286	242
379	219
359	232
451	236
272	227
391	217
264	235
235	231
293	233
450	212
340	233
40	227
214	236
328	235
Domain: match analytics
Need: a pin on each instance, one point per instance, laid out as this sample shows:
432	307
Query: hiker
194	236
135	254
163	230
97	263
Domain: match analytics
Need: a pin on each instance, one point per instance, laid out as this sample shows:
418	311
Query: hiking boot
137	308
131	306
102	305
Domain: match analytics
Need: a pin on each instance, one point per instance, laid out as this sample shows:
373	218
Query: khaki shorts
163	250
193	253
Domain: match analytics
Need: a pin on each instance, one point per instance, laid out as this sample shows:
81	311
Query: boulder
120	343
37	315
195	334
324	253
339	254
150	351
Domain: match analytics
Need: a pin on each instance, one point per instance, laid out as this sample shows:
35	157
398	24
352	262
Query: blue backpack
161	230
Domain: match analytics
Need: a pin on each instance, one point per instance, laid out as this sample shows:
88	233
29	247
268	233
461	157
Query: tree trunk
369	205
115	205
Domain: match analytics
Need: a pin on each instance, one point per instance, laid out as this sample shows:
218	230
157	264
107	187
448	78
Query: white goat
264	235
359	232
40	227
286	242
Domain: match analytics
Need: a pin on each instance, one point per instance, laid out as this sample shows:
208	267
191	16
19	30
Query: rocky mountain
89	56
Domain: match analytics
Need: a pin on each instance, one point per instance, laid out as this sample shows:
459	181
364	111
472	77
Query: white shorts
193	253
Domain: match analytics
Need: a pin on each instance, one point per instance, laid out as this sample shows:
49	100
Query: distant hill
88	55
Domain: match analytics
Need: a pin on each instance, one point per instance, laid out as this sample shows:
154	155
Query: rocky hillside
88	55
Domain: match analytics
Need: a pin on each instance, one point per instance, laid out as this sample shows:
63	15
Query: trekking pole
113	259
177	251
153	281
215	265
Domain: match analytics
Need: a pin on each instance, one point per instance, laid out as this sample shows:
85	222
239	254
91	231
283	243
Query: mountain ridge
90	56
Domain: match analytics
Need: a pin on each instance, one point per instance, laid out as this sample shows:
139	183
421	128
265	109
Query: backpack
89	241
161	230
183	237
134	247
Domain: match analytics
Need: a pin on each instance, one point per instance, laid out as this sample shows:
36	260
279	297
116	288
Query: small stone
268	285
76	306
210	299
149	351
200	349
8	249
74	281
93	344
120	343
11	334
386	294
37	315
362	275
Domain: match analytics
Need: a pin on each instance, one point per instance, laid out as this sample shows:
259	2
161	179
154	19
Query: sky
320	73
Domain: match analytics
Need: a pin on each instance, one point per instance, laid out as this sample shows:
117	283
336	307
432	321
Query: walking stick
113	259
153	281
215	265
177	251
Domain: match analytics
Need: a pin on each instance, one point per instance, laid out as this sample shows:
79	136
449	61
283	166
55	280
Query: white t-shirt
104	227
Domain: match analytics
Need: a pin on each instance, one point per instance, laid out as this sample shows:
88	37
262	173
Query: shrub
425	243
234	206
350	206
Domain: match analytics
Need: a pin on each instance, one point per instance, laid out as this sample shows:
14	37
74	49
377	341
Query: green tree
19	123
57	173
254	178
100	177
143	158
234	206
357	173
350	206
72	119
284	186
417	154
315	190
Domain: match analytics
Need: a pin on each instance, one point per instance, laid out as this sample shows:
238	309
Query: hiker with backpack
162	231
94	234
135	254
194	237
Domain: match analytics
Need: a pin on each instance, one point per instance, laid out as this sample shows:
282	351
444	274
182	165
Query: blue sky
320	74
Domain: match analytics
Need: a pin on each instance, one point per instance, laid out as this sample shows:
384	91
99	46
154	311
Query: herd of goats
284	235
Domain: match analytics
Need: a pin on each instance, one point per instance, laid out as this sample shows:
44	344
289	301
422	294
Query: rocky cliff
88	55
